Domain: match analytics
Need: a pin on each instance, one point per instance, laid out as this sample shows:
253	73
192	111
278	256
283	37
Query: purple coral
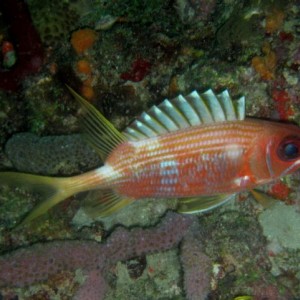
23	267
36	263
95	287
196	265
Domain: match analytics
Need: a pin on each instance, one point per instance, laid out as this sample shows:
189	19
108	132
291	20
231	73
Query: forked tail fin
104	137
53	190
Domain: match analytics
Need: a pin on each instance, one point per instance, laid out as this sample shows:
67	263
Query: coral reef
274	20
27	43
146	51
23	267
197	266
238	34
265	65
53	155
136	12
284	233
282	104
47	106
9	54
139	69
83	39
53	20
281	191
191	11
84	67
283	242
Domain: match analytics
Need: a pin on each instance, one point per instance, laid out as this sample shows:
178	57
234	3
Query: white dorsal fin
167	124
227	105
240	108
174	112
214	105
201	107
186	111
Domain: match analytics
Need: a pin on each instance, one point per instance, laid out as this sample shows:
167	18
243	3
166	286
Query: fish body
200	149
227	157
210	159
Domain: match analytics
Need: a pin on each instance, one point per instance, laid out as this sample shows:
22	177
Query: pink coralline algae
27	44
37	263
197	266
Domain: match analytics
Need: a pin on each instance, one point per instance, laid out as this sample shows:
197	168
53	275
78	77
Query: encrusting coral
38	262
53	20
69	154
196	264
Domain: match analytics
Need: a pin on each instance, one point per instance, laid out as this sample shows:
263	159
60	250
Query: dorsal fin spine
241	108
215	107
201	107
227	105
157	114
186	111
101	134
165	119
169	108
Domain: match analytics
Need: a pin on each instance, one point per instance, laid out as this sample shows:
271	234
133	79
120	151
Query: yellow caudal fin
53	190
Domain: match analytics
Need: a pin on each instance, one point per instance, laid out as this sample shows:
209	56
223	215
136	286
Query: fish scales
204	159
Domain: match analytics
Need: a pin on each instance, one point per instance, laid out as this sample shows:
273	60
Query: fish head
281	144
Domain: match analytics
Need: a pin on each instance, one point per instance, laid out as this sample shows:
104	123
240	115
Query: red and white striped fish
199	148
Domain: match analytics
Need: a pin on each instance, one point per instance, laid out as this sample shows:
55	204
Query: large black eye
289	148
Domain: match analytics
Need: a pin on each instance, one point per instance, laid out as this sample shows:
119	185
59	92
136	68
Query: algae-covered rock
281	224
51	155
53	20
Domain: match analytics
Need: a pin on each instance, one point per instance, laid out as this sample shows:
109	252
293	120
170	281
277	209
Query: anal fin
202	204
102	203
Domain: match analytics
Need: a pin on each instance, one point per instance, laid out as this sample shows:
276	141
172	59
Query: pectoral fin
202	204
102	203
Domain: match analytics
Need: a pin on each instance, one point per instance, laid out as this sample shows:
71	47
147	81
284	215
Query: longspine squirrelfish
199	148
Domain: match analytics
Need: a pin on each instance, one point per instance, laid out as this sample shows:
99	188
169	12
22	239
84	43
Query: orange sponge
83	39
265	65
83	67
87	92
274	20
